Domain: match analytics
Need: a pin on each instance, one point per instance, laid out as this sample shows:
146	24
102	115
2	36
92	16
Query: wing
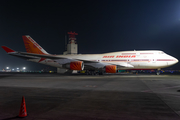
94	64
63	60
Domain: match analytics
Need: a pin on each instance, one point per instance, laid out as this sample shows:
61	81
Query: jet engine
76	65
111	69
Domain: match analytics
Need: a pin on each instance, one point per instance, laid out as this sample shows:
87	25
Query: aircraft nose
176	60
172	60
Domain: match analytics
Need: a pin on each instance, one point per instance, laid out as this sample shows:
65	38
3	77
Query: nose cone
171	60
176	60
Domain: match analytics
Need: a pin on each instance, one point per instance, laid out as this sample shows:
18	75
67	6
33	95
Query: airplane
103	63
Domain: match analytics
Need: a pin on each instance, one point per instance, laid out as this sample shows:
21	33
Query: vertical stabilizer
31	45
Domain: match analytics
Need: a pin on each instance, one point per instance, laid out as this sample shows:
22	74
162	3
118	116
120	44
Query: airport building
70	48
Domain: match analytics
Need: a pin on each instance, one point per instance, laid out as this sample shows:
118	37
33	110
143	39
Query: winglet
8	50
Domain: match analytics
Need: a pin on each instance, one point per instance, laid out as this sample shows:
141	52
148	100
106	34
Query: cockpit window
161	53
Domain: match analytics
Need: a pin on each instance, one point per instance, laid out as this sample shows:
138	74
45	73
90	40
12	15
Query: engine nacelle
76	65
111	69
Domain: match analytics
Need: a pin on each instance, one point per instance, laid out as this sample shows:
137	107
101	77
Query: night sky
103	26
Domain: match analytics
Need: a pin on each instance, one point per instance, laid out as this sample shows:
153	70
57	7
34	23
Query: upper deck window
146	53
128	53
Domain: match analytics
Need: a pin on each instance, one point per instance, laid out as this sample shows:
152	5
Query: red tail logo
31	46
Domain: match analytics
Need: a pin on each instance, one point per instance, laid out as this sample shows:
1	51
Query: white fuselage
149	59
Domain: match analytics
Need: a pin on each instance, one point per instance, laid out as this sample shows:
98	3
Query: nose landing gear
158	71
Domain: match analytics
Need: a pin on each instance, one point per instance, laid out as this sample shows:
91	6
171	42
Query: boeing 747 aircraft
107	62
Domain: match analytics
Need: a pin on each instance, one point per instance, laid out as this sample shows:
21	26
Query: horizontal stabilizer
8	50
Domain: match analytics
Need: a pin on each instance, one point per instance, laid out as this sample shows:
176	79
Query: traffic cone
23	112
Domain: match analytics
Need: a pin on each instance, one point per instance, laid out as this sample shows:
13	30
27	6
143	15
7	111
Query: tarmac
85	97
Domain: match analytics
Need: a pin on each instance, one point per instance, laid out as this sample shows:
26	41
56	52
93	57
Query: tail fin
31	46
8	50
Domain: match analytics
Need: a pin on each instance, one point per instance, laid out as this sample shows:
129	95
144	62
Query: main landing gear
91	72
